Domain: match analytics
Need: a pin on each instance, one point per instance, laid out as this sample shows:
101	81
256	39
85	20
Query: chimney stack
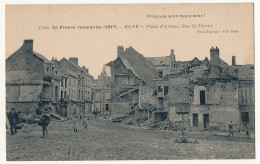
28	45
214	56
172	56
233	60
74	60
120	51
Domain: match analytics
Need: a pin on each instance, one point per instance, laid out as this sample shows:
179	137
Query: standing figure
13	119
95	112
45	120
247	130
85	124
230	130
75	125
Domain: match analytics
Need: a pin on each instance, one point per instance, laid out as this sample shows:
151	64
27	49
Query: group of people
13	118
44	121
77	120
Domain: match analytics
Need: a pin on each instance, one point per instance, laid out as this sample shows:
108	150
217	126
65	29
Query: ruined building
246	94
76	88
127	83
34	82
162	64
211	90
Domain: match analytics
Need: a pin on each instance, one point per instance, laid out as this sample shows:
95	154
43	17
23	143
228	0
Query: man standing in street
45	120
85	123
95	112
13	119
230	130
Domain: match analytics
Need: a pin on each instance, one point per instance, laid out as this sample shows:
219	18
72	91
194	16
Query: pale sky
98	46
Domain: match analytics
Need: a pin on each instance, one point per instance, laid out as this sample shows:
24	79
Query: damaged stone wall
29	93
23	107
22	77
197	90
121	75
117	67
179	94
218	116
179	90
120	80
221	102
120	107
174	117
23	93
222	93
146	96
197	72
12	94
221	105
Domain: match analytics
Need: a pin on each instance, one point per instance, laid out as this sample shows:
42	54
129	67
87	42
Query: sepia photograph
98	82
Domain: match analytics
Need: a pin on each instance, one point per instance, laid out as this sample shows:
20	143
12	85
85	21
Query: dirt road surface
106	141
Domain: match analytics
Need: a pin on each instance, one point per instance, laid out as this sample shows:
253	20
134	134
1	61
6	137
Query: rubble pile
166	125
130	120
119	119
148	123
184	140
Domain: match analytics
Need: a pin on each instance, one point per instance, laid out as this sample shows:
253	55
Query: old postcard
130	82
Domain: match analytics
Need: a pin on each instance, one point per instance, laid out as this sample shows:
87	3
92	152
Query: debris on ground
184	140
119	119
167	125
130	120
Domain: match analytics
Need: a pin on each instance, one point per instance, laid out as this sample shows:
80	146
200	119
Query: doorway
107	107
206	121
245	118
195	120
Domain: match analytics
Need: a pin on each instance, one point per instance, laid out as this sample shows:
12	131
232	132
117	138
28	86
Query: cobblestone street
106	141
